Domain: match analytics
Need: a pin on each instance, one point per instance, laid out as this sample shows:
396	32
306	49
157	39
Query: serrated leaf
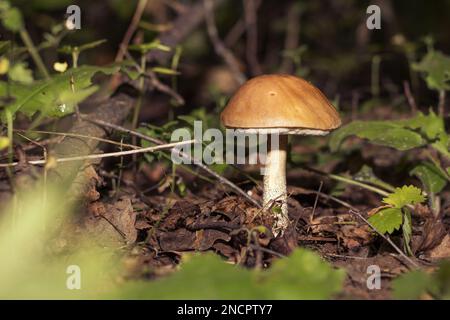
406	195
436	67
430	125
45	95
430	176
387	220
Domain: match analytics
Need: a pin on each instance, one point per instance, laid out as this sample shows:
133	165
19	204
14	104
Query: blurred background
326	42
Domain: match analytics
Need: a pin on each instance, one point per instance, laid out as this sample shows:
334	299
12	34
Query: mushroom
279	105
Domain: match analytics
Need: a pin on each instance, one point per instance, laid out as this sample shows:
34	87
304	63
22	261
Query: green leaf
91	45
47	96
386	133
430	125
398	134
387	220
167	71
411	285
436	67
146	47
21	73
406	195
302	275
86	46
430	176
12	19
414	284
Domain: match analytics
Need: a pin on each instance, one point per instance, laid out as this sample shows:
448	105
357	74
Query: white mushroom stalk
275	193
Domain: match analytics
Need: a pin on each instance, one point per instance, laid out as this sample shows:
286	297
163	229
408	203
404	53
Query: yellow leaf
60	66
4	65
4	143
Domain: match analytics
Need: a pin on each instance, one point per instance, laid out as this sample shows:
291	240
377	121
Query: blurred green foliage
420	284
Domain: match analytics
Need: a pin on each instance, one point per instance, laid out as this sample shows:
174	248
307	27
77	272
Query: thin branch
410	97
348	180
114	82
441	106
358	214
292	36
131	29
219	47
158	85
238	29
183	25
77	135
182	154
252	36
105	155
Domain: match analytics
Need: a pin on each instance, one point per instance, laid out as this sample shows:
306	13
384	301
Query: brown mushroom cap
281	102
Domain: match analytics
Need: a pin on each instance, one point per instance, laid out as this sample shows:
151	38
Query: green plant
435	66
395	213
422	131
420	284
32	260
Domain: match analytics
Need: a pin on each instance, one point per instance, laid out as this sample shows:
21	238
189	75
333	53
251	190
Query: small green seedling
396	213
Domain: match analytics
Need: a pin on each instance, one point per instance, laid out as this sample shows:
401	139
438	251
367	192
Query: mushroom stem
275	184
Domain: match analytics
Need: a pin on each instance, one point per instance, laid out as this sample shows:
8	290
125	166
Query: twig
252	37
441	106
164	88
114	82
219	47
182	154
33	52
255	247
323	195
410	97
292	35
183	25
355	102
316	201
358	214
238	29
105	155
131	29
348	180
77	135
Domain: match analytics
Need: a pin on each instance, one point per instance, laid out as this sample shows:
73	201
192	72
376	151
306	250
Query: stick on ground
184	155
